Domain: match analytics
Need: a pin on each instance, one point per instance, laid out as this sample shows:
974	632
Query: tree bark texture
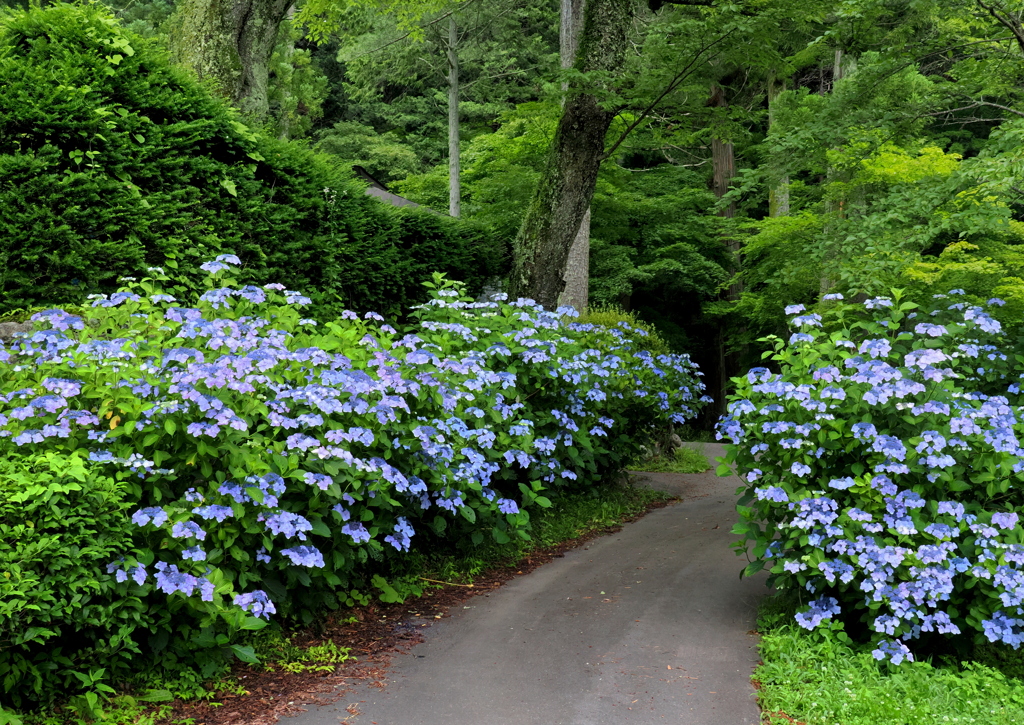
778	192
566	186
454	171
723	160
832	208
576	293
229	42
289	51
723	168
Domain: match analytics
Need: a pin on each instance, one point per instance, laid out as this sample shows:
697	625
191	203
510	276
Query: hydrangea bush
883	470
275	462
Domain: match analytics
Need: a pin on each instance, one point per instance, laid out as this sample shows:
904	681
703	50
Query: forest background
757	154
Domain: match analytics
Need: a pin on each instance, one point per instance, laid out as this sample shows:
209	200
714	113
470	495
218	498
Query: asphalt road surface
648	625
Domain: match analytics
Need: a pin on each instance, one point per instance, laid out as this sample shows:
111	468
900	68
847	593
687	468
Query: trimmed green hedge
112	160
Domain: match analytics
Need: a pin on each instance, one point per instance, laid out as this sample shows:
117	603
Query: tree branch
673	84
400	38
1008	22
975	104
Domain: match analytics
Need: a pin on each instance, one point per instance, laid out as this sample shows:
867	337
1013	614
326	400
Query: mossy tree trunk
577	267
229	42
566	186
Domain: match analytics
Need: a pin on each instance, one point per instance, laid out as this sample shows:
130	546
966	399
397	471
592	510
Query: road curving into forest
648	625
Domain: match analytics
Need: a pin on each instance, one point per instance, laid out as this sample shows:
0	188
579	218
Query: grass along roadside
294	662
688	459
816	678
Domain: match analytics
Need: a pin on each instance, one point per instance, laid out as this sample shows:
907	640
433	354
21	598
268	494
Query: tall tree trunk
778	192
566	186
833	208
289	51
454	172
576	293
229	42
723	159
723	165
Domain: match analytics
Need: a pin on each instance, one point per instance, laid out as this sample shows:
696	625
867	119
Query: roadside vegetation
823	677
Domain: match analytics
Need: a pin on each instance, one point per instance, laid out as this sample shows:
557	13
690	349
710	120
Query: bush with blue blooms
274	463
883	470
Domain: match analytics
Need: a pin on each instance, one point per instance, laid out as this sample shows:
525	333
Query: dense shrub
884	471
642	334
111	159
278	465
61	614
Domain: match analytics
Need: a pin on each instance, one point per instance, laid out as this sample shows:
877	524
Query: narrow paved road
649	625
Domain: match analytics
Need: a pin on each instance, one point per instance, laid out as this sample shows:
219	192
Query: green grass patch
817	678
684	460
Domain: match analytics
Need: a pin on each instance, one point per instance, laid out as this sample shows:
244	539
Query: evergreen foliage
111	161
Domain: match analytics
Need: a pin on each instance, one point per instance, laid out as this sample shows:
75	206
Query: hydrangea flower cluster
261	446
884	470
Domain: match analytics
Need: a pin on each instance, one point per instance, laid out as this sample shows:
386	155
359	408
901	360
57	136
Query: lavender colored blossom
257	603
194	553
507	506
818	611
305	556
772	493
213	511
1006	521
187	529
154	515
319	480
170	579
289	524
800	469
357	531
402	536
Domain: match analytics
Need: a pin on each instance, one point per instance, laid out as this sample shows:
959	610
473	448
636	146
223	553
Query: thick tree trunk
566	186
454	172
229	42
576	293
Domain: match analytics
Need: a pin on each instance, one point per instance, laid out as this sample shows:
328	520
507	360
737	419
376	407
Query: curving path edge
648	625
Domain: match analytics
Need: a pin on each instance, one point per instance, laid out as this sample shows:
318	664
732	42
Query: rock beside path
9	329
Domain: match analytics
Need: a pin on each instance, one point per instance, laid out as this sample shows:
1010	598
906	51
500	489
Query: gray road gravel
648	625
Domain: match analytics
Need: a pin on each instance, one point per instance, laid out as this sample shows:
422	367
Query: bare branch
685	73
968	107
1008	21
400	38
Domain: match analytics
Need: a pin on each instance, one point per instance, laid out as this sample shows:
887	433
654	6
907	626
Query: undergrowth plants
274	465
817	679
883	471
